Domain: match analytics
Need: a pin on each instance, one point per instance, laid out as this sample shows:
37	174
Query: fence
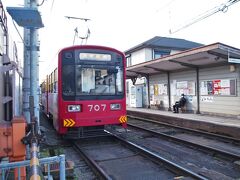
49	160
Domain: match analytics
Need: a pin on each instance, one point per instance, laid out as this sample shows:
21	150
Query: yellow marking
34	148
123	119
120	119
35	177
65	122
34	161
68	122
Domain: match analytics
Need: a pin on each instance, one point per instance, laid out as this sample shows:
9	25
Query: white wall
228	105
174	52
148	54
218	104
221	104
157	99
141	56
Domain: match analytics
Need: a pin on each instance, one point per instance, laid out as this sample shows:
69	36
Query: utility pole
26	73
29	18
34	65
31	67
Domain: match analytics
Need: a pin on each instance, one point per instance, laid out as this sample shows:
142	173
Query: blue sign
26	17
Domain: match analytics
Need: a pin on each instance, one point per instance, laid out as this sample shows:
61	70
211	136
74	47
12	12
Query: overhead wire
76	33
18	32
223	7
52	5
165	5
41	3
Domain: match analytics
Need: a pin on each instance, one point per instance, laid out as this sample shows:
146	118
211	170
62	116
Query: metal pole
34	163
62	167
34	71
148	89
26	79
198	91
26	73
169	91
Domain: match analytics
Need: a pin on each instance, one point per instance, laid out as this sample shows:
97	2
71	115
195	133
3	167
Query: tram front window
95	80
98	81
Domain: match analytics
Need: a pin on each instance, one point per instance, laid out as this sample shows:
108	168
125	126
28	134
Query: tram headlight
115	106
74	108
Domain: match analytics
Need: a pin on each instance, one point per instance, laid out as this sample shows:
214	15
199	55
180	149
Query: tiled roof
165	42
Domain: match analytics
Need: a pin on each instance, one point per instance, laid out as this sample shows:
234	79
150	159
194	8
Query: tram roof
200	57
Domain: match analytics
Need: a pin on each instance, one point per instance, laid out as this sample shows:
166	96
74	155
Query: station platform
227	126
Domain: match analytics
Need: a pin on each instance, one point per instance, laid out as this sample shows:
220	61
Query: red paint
93	112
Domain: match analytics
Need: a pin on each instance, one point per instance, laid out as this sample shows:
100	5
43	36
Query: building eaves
165	43
213	55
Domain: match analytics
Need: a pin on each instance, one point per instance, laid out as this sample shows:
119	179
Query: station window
160	53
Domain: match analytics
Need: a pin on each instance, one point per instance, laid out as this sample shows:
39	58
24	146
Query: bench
184	108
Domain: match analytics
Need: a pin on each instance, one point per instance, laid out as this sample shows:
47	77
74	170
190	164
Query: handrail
49	160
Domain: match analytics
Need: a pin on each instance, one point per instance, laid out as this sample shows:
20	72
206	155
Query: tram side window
51	83
68	85
55	87
55	81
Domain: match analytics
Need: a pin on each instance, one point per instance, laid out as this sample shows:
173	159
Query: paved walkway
218	124
190	116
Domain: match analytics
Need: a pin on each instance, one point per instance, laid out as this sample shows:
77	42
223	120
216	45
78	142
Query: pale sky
126	23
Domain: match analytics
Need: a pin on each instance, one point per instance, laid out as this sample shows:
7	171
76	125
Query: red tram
87	90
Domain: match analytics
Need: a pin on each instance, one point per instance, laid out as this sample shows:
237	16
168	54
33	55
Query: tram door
136	95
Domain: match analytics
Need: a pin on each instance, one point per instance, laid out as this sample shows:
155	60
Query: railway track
163	124
211	163
81	168
116	158
55	145
119	161
225	146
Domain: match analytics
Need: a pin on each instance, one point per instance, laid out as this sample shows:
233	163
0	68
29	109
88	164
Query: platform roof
200	57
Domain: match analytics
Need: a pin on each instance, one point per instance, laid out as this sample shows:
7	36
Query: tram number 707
101	107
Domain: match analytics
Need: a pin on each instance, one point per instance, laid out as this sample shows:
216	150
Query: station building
10	72
161	69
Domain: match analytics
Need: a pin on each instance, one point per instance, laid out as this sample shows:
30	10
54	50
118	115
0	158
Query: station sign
234	60
26	17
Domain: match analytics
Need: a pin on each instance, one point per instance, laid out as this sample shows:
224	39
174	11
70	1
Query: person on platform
182	101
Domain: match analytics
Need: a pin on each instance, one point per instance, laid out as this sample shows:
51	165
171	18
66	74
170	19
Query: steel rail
178	140
157	157
222	137
94	166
